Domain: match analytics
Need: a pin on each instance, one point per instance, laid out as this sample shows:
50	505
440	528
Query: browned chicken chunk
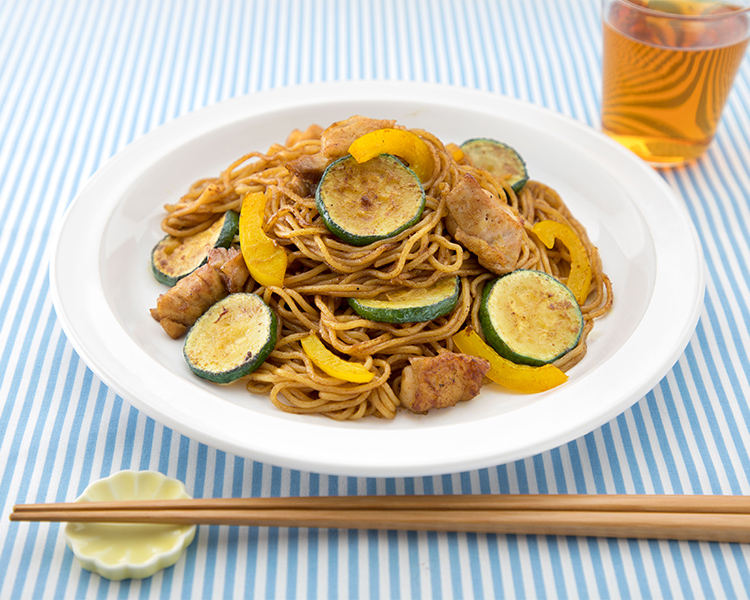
231	266
484	225
441	381
177	309
337	138
335	142
309	167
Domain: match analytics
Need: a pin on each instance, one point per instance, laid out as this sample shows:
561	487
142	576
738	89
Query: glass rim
738	10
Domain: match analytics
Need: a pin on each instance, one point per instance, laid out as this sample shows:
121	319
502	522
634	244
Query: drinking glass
668	67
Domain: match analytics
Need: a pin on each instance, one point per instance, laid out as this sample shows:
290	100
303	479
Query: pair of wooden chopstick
702	518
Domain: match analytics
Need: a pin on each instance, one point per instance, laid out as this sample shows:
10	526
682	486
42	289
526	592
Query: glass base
661	152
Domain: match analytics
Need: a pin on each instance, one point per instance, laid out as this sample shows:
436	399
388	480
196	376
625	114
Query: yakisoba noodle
324	271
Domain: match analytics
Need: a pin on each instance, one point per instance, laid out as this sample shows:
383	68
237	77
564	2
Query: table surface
82	79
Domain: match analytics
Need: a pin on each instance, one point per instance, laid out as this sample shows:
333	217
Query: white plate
102	287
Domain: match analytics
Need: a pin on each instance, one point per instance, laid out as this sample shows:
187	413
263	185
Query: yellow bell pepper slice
397	142
521	378
336	367
455	151
265	260
579	279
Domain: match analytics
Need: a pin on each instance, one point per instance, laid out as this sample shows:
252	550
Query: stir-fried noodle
323	272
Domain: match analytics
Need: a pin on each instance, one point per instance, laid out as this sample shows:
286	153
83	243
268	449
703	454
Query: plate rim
197	123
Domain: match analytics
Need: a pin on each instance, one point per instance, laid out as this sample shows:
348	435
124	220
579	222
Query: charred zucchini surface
231	339
173	258
362	203
411	305
529	317
499	159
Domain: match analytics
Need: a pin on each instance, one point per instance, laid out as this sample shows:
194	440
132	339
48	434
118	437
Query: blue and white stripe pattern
80	79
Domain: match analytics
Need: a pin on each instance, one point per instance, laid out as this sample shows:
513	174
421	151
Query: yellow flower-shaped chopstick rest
129	550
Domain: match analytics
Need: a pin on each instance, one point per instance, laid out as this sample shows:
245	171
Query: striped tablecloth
79	80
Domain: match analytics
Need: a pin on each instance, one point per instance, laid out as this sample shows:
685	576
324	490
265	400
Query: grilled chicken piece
441	381
484	225
335	142
309	167
177	309
337	138
231	266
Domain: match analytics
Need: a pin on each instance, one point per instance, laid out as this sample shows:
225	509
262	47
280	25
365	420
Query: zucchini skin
508	154
411	314
160	262
505	348
252	361
323	198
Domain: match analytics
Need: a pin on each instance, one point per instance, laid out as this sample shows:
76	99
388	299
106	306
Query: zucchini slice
231	339
411	305
174	258
529	317
362	203
499	159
